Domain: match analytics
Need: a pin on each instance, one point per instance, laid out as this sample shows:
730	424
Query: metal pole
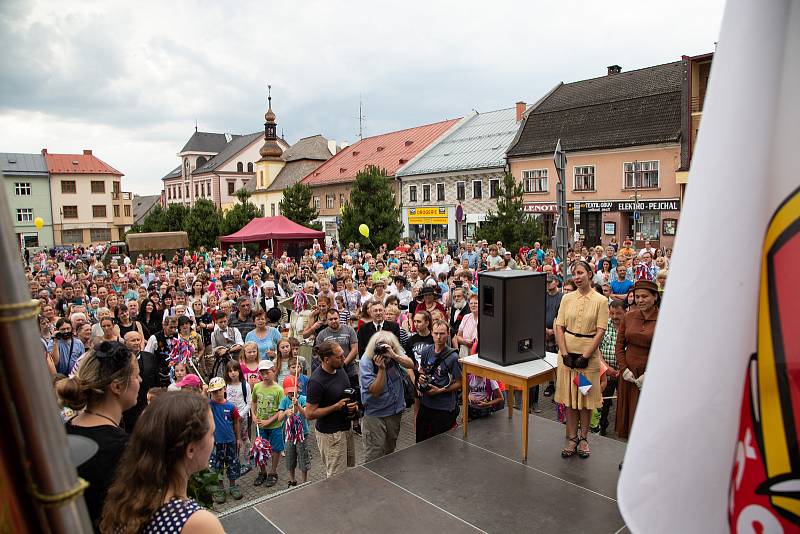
637	215
560	160
42	442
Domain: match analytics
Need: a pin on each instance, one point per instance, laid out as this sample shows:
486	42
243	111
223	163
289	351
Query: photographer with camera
333	403
439	380
382	368
66	349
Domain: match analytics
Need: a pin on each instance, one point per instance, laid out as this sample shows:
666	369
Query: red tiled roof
85	163
389	151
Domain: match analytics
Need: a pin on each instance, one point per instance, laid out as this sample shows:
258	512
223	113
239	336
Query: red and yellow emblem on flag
765	483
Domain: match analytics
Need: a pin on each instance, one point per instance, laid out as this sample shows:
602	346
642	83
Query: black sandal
583	454
567	453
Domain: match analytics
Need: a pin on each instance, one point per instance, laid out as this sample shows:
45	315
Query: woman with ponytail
105	385
172	440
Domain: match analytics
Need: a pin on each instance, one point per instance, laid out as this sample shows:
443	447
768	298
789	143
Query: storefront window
649	224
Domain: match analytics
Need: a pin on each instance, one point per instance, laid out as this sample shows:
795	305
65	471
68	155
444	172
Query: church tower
270	164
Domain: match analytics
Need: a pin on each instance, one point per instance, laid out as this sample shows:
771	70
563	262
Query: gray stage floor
447	484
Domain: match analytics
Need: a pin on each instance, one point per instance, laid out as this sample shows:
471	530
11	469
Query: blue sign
636	215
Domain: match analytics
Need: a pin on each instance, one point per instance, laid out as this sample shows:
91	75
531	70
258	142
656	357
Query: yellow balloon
363	229
38	222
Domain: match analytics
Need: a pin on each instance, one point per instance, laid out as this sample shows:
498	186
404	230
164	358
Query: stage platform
448	484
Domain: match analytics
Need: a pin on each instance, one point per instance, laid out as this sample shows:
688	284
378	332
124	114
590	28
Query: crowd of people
341	339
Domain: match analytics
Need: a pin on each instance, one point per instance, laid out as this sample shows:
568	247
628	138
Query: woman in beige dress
579	328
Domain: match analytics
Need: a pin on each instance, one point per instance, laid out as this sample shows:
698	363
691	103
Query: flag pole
560	161
37	440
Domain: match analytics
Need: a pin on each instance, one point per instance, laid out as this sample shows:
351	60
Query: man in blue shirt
439	382
381	368
471	256
620	285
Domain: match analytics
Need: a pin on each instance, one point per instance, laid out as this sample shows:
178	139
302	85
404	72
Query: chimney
520	110
44	151
344	144
614	69
87	152
332	146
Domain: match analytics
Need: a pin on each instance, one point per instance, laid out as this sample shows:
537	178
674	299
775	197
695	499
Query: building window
116	210
231	186
426	193
71	236
316	203
250	166
239	167
460	191
272	209
535	181
329	201
115	187
100	234
584	178
127	210
169	193
341	200
477	189
196	190
24	214
440	192
179	188
70	212
646	175
22	188
98	186
187	191
494	188
98	211
412	193
68	186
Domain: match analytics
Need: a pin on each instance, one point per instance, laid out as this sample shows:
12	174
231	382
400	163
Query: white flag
701	457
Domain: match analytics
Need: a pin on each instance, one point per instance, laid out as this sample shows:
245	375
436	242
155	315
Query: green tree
372	202
240	214
175	217
202	224
154	222
296	205
510	224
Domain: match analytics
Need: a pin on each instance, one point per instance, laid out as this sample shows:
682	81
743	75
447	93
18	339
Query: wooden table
518	376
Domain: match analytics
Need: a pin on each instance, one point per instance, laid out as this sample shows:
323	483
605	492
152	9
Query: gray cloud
129	80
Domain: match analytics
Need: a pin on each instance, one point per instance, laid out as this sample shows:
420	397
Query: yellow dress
580	314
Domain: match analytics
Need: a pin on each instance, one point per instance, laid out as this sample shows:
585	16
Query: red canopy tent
277	233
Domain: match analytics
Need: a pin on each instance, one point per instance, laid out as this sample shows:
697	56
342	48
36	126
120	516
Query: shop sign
542	207
626	205
434	215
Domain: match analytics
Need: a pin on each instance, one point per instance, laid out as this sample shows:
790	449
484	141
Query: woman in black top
105	385
126	323
151	317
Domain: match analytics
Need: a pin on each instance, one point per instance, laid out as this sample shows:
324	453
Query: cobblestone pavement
251	494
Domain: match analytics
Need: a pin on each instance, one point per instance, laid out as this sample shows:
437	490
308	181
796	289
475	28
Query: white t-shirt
478	390
235	395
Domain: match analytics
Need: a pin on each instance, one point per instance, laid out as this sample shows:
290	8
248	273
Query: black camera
424	385
381	349
63	335
458	283
351	395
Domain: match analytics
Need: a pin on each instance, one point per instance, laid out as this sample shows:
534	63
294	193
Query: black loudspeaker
511	316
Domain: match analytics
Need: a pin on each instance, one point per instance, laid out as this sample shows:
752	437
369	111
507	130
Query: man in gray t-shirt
346	337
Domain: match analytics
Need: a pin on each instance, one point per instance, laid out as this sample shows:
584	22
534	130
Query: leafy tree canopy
372	202
510	224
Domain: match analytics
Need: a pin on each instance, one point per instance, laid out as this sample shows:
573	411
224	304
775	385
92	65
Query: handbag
575	361
409	390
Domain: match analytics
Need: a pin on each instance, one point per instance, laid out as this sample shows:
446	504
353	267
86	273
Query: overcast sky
129	79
